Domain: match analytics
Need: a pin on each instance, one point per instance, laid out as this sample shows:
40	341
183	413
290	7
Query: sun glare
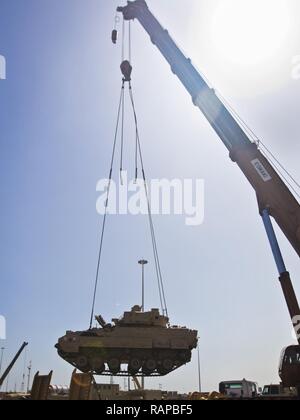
245	45
248	32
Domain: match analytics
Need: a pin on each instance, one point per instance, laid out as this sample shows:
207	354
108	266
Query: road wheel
114	366
135	365
83	364
149	366
165	366
168	364
98	365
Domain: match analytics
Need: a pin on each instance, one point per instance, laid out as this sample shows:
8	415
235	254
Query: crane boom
272	193
6	373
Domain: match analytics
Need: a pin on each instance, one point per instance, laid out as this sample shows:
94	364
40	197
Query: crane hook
126	69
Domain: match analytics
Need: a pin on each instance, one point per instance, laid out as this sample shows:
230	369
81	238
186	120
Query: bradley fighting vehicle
143	341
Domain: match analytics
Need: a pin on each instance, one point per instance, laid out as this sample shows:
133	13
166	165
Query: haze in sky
58	114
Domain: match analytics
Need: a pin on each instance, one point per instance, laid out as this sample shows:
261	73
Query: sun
249	32
245	46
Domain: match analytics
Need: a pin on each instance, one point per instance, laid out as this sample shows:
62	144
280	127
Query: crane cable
106	206
123	40
138	156
121	114
152	229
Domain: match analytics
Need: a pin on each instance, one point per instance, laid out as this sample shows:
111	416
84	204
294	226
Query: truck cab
289	369
239	389
272	391
278	391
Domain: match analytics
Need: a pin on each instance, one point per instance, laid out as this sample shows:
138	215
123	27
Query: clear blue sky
57	116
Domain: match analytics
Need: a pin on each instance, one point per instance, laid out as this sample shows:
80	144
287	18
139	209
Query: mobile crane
274	197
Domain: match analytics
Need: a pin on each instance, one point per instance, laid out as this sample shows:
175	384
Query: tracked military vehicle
140	343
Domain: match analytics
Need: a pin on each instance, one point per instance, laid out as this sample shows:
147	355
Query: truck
239	389
277	391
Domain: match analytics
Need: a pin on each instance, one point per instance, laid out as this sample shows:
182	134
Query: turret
136	318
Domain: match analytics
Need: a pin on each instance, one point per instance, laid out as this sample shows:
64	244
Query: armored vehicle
144	342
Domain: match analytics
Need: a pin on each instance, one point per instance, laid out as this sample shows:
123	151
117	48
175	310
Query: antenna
28	376
23	382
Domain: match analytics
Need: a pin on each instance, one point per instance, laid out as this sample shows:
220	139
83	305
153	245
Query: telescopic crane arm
272	193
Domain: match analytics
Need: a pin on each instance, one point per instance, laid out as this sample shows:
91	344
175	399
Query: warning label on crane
261	170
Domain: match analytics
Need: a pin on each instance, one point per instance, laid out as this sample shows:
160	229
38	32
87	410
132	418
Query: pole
28	376
143	263
199	369
24	373
143	288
